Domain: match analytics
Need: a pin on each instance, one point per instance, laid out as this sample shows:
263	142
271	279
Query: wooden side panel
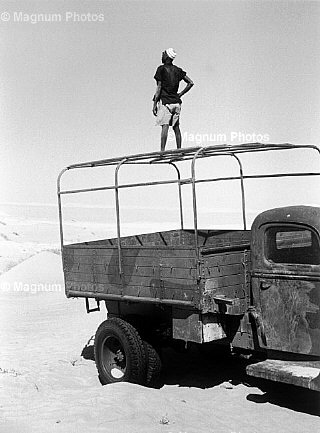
160	265
164	273
223	259
179	238
226	277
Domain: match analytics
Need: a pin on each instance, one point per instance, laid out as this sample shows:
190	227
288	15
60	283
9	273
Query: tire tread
134	342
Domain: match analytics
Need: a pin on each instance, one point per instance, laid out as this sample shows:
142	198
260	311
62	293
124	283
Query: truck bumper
299	373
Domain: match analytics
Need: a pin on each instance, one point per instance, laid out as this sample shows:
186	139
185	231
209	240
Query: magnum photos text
66	17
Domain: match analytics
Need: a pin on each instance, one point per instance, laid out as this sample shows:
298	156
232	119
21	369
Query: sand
49	382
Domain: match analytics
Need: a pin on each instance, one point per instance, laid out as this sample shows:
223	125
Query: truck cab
285	281
285	258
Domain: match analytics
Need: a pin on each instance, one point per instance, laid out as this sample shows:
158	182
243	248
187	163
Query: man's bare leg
164	136
177	132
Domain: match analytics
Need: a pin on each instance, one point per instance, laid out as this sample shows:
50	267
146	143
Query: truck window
292	245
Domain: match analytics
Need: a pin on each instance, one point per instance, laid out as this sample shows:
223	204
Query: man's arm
156	98
190	84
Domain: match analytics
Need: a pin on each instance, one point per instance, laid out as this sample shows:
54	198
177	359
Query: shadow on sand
288	396
192	368
88	350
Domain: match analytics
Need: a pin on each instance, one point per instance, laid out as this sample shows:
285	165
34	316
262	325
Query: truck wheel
153	365
119	353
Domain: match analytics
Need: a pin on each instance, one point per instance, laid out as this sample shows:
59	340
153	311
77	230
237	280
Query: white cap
171	53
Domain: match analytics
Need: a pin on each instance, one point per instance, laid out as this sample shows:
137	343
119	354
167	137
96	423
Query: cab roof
307	215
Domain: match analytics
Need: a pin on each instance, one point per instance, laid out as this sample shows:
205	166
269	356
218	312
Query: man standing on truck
167	101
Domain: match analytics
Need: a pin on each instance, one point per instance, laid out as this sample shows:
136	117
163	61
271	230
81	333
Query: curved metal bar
255	176
242	191
187	154
314	147
194	190
180	193
116	186
194	201
59	204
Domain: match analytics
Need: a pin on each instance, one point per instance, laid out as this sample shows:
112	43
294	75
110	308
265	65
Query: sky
80	87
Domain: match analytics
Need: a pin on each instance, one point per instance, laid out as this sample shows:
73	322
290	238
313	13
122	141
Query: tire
154	365
119	353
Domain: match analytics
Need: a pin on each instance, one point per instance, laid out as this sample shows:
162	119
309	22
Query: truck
255	291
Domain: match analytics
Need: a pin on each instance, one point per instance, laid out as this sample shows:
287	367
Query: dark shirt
170	77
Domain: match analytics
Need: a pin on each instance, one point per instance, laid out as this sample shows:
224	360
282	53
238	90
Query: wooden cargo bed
160	267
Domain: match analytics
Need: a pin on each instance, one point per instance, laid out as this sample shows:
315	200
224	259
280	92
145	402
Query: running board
299	373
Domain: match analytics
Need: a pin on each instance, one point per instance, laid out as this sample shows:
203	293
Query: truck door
286	286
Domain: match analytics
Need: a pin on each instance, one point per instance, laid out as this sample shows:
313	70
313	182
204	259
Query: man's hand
155	109
156	98
188	86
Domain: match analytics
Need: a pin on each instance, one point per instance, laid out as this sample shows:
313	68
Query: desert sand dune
47	386
42	269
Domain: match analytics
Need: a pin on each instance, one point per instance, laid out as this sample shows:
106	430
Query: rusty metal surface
287	295
212	328
186	325
302	216
290	313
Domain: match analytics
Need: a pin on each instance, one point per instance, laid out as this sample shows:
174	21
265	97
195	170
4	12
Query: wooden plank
213	266
178	262
133	291
223	247
174	238
133	252
143	271
136	281
225	281
113	260
178	253
160	293
189	273
104	277
91	287
212	237
144	292
182	263
237	291
222	259
219	271
184	293
79	277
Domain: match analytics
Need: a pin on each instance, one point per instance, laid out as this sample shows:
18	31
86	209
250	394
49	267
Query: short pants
168	114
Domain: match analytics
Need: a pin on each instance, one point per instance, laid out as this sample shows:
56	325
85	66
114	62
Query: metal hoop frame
172	158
